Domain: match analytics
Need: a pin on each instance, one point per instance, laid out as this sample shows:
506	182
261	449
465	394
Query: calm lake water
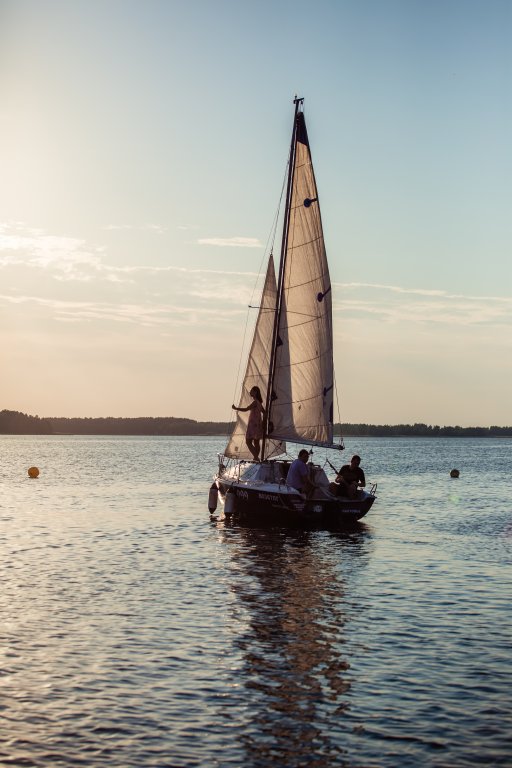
136	632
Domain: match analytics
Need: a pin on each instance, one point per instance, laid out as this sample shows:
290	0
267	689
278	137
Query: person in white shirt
298	473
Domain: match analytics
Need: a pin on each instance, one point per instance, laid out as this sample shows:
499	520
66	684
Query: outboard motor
229	503
213	498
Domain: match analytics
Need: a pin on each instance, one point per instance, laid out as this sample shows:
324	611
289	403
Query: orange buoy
33	472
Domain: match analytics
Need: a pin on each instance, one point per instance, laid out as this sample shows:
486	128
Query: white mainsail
302	402
296	356
257	371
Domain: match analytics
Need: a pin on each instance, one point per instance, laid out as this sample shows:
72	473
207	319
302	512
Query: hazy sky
143	149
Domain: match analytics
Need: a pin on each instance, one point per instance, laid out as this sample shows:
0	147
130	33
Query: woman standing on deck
254	431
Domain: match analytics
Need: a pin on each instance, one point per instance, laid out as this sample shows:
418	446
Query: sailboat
291	363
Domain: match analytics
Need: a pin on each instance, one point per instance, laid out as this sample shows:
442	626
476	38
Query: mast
282	261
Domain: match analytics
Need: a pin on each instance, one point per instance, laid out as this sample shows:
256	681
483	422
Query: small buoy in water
229	503
33	472
454	473
212	499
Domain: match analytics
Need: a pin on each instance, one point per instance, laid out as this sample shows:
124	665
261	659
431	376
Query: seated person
298	473
349	479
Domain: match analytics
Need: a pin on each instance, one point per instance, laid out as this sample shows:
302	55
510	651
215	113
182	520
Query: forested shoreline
16	423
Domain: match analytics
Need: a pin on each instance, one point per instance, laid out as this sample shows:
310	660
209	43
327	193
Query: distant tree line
419	430
160	425
15	423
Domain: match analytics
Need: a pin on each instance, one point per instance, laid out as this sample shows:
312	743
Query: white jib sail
257	372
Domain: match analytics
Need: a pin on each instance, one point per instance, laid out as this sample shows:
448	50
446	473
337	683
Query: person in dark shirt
350	478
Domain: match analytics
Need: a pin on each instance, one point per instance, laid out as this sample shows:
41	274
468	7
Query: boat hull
280	505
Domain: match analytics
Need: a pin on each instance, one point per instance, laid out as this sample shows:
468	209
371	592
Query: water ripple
136	633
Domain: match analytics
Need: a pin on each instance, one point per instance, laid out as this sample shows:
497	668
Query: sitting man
298	475
349	479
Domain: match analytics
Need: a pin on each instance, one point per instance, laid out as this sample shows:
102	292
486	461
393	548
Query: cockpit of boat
277	471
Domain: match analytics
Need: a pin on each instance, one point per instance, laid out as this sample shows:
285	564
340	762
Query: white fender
212	498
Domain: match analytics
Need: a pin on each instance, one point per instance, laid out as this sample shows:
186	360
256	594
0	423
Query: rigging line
269	248
320	419
232	415
337	407
282	262
290	366
310	319
319	395
306	242
314	279
298	440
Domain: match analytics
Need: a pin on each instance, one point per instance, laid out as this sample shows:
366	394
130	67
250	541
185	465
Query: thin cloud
393	288
231	242
186	271
33	248
70	259
239	295
423	292
422	306
158	228
136	313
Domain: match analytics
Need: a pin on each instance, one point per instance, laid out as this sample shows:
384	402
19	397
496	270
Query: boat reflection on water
292	587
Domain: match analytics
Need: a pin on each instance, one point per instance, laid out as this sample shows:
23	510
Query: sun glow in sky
143	149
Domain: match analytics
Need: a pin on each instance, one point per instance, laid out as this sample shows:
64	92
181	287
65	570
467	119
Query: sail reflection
292	586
